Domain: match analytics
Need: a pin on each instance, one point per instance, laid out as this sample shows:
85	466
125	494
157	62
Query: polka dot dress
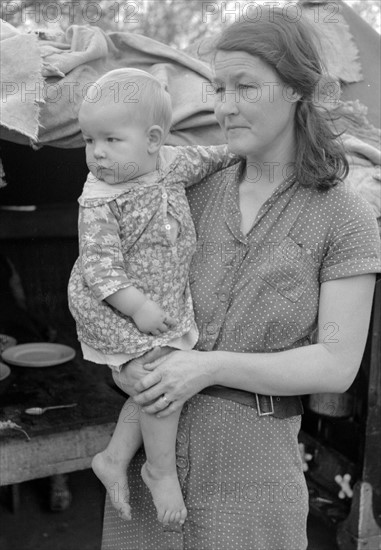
259	292
241	474
242	481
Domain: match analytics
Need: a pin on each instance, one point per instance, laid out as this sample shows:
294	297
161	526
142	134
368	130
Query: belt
266	405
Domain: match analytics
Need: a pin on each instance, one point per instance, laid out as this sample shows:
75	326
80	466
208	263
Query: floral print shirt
141	235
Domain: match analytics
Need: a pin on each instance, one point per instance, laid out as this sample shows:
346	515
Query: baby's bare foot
113	475
166	494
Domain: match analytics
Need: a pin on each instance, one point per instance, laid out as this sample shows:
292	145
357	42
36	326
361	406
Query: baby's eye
88	141
112	139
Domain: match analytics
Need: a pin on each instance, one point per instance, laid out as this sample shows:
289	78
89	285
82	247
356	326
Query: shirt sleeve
196	163
100	250
354	243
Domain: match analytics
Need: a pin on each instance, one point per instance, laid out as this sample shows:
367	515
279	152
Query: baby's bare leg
110	466
159	472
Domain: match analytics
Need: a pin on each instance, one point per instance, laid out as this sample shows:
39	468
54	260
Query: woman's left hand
177	376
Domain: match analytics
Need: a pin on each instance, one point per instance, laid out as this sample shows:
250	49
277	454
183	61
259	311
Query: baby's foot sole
166	493
113	475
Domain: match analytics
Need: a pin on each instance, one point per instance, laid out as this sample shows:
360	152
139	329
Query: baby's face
116	143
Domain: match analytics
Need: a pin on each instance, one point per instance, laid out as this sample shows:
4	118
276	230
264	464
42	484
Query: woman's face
254	108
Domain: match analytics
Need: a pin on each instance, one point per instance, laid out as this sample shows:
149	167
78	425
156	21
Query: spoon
39	410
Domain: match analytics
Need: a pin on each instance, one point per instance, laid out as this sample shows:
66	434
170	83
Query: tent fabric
19	110
368	89
75	59
364	172
338	48
70	66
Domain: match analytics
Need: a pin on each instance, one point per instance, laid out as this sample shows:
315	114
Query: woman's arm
330	365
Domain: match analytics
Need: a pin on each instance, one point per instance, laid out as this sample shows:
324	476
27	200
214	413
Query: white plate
38	355
5	371
6	342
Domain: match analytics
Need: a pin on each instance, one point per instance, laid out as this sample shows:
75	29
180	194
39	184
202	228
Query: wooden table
62	440
42	245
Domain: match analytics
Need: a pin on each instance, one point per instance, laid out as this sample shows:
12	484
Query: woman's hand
177	376
135	370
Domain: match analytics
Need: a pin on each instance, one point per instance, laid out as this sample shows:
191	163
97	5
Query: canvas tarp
51	100
45	80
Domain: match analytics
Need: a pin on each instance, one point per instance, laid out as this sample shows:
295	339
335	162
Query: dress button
181	437
222	296
167	227
164	195
181	462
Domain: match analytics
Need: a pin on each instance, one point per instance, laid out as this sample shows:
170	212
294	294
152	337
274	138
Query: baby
129	290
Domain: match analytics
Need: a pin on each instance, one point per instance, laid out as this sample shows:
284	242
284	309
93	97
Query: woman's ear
155	138
292	95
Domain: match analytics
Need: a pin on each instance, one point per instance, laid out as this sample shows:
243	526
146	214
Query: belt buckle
259	410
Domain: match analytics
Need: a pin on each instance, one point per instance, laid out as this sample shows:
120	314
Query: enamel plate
6	342
5	371
38	355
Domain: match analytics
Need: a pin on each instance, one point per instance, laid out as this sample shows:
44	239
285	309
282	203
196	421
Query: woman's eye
217	87
246	86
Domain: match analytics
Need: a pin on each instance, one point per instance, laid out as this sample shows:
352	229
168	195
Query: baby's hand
151	319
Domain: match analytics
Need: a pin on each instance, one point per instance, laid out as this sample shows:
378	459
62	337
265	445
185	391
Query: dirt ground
34	527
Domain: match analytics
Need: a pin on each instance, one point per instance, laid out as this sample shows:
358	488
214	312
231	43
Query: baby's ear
155	136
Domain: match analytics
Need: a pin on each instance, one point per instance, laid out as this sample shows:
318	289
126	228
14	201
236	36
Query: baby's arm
103	268
147	315
198	162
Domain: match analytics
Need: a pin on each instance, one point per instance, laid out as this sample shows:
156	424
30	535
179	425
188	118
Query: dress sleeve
354	243
101	256
196	163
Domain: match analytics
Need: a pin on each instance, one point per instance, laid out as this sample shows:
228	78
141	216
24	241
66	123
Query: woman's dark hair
287	47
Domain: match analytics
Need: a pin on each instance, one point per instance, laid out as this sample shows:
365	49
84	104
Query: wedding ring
166	400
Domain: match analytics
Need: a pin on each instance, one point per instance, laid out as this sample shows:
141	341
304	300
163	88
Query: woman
282	284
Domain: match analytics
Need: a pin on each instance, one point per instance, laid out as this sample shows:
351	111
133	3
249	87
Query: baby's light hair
138	89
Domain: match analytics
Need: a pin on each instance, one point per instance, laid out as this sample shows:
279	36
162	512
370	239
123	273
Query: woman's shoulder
342	200
226	175
210	192
352	234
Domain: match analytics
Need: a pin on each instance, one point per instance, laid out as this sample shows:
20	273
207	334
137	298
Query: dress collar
232	213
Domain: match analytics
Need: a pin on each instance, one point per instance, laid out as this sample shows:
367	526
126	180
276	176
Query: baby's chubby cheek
129	170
